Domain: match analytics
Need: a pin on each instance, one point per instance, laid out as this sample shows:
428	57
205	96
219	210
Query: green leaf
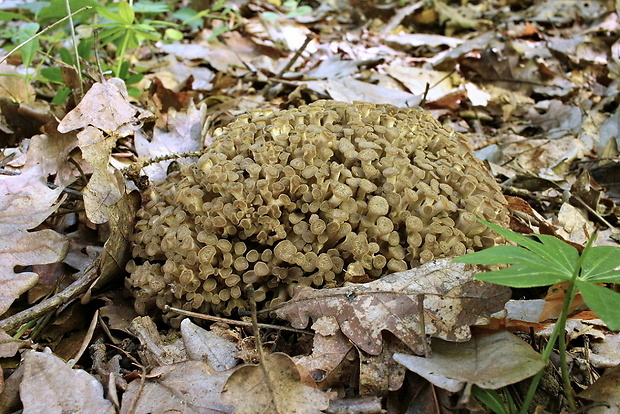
603	302
559	252
599	263
85	47
61	96
523	275
491	398
66	56
57	9
52	75
29	50
500	255
550	248
126	13
6	16
108	15
173	34
521	240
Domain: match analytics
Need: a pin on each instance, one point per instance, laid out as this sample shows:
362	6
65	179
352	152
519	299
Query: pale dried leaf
606	353
190	387
274	387
605	390
452	301
9	345
106	186
206	346
183	134
14	86
349	90
489	361
50	386
106	107
25	202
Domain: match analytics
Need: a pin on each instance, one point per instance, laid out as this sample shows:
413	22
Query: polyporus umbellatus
317	195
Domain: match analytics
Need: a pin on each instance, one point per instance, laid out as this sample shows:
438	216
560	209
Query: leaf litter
536	95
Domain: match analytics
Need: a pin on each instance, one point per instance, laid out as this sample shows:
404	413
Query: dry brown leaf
490	361
104	109
190	387
274	387
331	359
25	202
51	386
452	301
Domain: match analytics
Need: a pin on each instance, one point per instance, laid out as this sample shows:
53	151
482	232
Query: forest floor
532	85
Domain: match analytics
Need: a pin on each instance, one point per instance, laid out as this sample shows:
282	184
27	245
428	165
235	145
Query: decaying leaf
489	361
605	390
451	299
190	387
51	386
207	346
25	202
332	355
274	387
182	134
105	115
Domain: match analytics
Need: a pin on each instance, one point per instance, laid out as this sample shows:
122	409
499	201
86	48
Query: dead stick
298	53
73	291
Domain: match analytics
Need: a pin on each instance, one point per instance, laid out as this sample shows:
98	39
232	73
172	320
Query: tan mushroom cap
317	195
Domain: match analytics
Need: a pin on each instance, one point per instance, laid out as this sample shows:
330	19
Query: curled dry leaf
451	299
274	387
489	361
51	386
105	115
25	202
190	387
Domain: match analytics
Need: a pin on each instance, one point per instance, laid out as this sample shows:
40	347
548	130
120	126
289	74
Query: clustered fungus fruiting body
316	195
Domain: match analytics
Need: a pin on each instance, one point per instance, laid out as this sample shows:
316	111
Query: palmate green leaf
599	263
603	302
549	248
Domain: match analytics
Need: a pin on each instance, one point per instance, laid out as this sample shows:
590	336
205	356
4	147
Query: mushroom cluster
316	195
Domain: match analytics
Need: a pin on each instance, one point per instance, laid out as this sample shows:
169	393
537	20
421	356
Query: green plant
292	9
218	11
125	30
547	261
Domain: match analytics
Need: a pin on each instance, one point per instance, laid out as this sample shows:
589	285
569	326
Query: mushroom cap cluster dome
317	195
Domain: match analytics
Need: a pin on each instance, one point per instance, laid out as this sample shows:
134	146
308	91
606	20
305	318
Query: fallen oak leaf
104	115
490	361
190	387
451	299
273	387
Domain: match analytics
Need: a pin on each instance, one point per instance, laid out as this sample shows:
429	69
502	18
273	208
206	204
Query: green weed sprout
126	30
547	261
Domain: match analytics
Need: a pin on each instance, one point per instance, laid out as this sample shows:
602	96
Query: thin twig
72	291
298	53
233	321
